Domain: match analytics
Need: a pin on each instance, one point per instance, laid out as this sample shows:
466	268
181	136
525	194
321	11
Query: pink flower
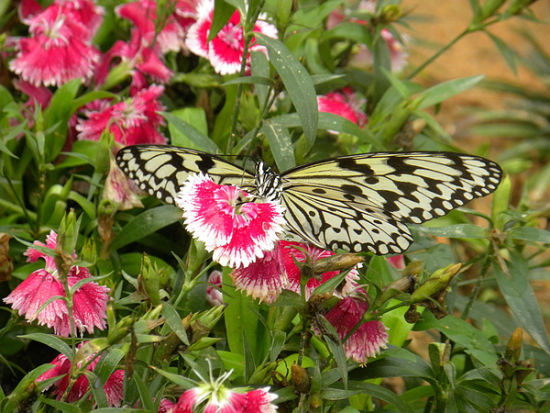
237	232
89	301
263	279
397	261
343	103
139	60
186	13
213	292
131	122
58	51
166	406
220	399
368	339
225	51
62	366
297	252
143	14
398	54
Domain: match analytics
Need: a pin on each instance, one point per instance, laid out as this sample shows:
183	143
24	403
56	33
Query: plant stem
439	53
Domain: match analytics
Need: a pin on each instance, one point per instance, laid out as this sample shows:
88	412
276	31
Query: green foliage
468	294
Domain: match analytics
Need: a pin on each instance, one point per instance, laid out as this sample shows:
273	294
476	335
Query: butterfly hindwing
361	202
162	170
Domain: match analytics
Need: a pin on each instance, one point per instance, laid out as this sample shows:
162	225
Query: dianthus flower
62	367
343	103
225	51
131	122
220	399
59	48
236	231
368	339
89	301
143	14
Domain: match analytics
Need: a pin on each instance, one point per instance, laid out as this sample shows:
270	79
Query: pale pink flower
214	294
236	231
143	14
398	54
121	190
297	252
225	51
58	51
166	406
263	279
89	301
368	339
343	103
62	366
132	121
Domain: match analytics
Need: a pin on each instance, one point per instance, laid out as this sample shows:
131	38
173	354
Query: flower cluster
62	367
247	236
89	300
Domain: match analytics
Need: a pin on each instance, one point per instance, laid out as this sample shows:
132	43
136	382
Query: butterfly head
268	183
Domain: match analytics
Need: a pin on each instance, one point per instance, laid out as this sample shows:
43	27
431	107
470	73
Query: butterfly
357	202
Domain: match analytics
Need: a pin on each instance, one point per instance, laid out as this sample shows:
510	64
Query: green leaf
190	116
443	91
222	13
455	231
518	293
61	406
259	67
507	53
51	341
530	234
173	320
146	223
381	393
196	139
59	112
280	144
474	342
298	84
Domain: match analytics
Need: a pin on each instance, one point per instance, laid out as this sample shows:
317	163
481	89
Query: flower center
232	35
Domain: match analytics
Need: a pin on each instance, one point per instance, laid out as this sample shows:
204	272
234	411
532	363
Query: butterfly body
356	202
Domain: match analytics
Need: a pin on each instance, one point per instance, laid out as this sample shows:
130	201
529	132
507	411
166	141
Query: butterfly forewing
162	170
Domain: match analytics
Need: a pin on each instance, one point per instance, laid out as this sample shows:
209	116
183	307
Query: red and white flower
131	122
62	367
343	103
225	51
236	231
89	301
58	50
368	339
297	252
263	279
220	399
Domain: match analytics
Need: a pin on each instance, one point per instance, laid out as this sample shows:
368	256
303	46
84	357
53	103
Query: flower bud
438	281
